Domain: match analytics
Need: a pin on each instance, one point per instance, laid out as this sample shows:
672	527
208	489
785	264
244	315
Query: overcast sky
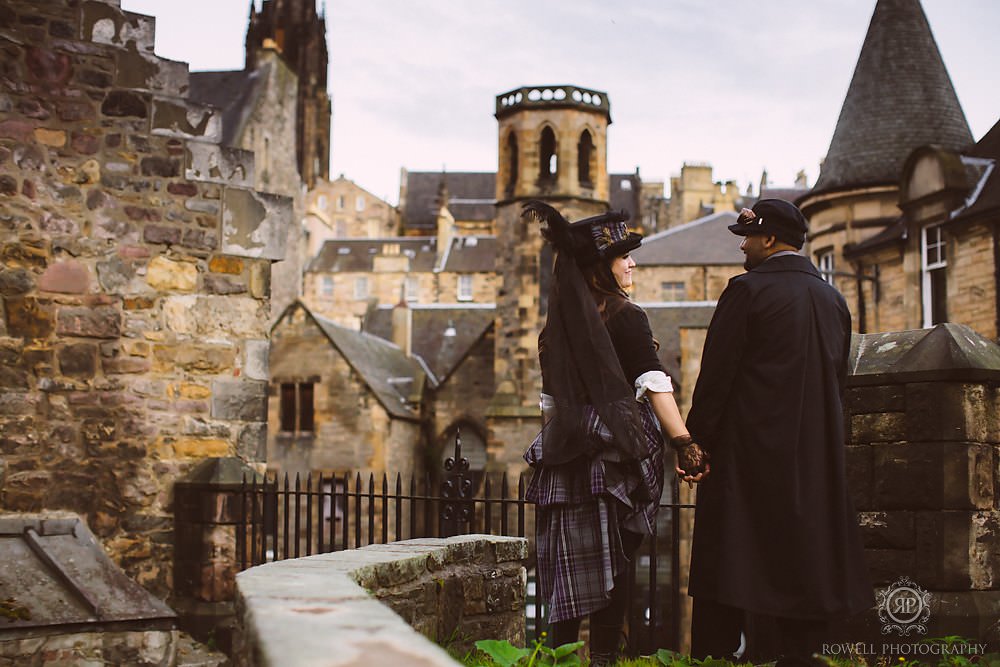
740	85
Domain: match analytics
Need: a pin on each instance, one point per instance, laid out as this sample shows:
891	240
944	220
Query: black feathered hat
599	237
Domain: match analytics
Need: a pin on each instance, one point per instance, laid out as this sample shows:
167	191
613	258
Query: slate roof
900	98
786	194
233	92
352	255
472	254
666	321
703	241
391	376
441	353
471	196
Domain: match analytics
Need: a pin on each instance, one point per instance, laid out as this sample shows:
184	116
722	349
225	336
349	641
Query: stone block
195	358
68	277
878	427
944	549
28	317
255	224
168	275
14	282
252	442
97	322
235	316
887	530
186	120
213	163
947	411
79	360
106	24
858	462
221	264
255	360
879	398
125	104
146	71
935	475
239	400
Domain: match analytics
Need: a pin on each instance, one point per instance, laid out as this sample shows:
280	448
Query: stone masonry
135	279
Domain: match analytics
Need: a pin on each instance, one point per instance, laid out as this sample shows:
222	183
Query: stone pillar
924	429
208	512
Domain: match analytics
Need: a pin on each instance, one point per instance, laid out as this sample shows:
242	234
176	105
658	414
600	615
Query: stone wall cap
947	352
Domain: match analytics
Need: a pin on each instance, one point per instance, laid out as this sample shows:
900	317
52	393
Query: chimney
402	327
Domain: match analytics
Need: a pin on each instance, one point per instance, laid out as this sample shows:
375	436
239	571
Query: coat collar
788	263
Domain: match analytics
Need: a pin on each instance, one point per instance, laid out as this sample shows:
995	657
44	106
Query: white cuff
655	381
547	404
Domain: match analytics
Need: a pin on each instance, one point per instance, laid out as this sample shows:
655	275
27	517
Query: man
776	552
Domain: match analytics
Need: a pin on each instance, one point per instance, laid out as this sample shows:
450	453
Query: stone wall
320	609
701	283
155	647
924	425
135	279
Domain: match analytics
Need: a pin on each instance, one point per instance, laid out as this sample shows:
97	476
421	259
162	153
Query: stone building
342	209
342	400
693	195
135	280
900	99
469	197
690	262
299	35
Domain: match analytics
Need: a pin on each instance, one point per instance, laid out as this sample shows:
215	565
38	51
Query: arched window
511	162
547	162
584	151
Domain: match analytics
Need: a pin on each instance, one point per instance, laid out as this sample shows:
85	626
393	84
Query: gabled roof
441	350
900	97
471	196
394	378
703	241
233	92
358	255
983	167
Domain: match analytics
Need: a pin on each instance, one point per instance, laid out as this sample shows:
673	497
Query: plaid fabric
581	508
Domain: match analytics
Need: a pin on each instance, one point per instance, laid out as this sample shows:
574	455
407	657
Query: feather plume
556	230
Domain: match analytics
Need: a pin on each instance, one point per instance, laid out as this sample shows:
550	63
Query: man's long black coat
775	531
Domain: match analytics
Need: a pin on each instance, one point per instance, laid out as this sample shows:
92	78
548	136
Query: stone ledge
347	608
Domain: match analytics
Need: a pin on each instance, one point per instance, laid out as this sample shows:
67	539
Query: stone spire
900	98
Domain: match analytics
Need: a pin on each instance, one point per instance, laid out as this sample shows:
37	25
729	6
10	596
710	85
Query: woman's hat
600	237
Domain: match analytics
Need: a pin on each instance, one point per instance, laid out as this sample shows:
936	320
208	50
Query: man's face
757	248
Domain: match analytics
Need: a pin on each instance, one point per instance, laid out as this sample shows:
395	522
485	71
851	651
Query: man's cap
773	217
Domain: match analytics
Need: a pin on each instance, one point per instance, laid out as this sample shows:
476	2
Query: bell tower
552	147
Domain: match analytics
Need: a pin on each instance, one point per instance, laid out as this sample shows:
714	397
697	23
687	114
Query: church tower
300	36
553	147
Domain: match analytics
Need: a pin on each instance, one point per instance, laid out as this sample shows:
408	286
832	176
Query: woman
607	403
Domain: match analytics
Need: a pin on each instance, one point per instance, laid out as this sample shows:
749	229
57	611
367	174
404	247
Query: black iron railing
287	518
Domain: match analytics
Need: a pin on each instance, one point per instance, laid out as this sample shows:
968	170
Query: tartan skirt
581	507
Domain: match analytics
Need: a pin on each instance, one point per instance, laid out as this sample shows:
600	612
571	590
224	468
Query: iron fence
286	517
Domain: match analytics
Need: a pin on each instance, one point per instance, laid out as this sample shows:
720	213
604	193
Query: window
297	407
327	289
824	262
673	291
511	162
359	203
465	287
934	266
584	149
322	202
548	163
361	288
340	203
411	288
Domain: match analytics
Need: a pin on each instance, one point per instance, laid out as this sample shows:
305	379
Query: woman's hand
692	461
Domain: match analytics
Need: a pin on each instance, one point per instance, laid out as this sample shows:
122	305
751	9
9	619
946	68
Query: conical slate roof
900	98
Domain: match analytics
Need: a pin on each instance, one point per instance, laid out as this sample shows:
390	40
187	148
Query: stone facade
96	648
694	194
135	281
341	209
682	283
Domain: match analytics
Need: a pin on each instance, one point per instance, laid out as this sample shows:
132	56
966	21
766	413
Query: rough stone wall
467	393
972	285
156	647
135	279
703	283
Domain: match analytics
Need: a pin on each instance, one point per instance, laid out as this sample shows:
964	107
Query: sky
742	86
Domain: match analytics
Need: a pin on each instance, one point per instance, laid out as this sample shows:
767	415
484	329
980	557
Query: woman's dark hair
608	294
